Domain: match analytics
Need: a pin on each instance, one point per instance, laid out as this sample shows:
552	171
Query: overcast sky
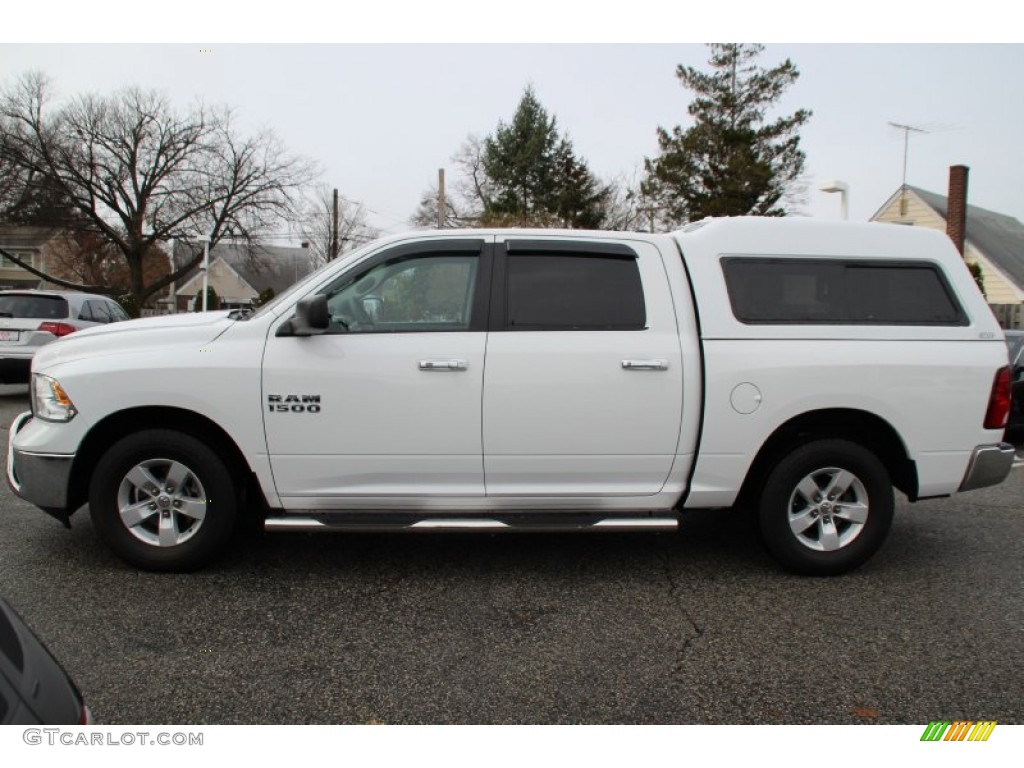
382	118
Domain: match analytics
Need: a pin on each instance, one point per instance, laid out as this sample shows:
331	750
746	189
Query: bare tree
317	222
467	199
138	172
628	207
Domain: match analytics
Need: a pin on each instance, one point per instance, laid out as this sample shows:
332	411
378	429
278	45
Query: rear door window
555	287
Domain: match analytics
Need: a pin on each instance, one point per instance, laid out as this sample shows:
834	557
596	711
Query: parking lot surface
698	626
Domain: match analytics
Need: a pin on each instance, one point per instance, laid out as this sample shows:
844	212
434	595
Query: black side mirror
311	318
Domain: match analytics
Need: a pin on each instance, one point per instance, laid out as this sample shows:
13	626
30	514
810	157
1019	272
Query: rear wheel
163	501
826	507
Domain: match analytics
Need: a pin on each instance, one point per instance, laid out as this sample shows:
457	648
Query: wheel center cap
164	501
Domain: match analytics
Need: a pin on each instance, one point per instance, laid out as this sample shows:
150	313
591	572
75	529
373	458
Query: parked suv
29	319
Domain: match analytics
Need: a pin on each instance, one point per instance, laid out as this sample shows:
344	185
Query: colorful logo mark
958	730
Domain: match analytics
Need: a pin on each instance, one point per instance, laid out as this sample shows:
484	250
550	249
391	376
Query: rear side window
96	311
116	313
574	292
819	291
36	307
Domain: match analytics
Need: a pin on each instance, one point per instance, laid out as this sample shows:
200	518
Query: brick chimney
956	207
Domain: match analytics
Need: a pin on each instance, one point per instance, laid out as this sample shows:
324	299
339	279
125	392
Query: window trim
961	320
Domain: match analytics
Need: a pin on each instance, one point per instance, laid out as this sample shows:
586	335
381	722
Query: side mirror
311	318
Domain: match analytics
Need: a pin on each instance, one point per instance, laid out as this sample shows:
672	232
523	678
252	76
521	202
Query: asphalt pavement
698	626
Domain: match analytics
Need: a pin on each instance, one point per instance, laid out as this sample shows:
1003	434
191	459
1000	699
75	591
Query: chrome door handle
645	365
443	365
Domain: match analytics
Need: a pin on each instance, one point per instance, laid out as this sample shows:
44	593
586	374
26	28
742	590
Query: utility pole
906	145
205	268
440	199
334	227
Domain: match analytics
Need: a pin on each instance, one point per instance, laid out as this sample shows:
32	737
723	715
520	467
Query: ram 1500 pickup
502	380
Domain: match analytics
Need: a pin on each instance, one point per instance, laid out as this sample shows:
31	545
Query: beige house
240	273
30	244
992	240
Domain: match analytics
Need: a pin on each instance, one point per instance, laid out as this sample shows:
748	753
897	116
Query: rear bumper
989	465
39	478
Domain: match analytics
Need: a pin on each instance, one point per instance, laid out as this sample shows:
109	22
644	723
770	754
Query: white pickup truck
539	380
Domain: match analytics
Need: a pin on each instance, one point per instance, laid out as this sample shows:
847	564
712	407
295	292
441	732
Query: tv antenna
906	146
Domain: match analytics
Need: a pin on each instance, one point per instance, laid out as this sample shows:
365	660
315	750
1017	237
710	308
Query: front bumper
39	478
989	465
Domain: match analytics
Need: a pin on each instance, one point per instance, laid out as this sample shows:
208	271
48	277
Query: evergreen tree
266	295
212	300
535	176
524	174
730	162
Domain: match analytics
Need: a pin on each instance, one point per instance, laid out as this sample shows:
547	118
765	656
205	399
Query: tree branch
101	289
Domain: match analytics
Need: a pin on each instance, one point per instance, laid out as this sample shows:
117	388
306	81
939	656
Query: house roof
261	266
998	236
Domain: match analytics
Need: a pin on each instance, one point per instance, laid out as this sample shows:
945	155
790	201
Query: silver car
29	319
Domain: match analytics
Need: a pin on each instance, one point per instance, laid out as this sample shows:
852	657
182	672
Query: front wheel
826	507
163	501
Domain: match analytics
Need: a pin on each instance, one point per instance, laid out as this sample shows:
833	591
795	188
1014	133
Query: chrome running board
552	522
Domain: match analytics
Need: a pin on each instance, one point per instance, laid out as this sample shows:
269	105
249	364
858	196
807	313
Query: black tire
841	533
175	527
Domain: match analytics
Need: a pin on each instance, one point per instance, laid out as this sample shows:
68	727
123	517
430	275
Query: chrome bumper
39	478
989	465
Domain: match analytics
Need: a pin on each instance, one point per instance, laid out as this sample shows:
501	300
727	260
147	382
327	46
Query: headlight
50	401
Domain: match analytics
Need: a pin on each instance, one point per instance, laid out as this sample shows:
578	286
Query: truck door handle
645	365
443	365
